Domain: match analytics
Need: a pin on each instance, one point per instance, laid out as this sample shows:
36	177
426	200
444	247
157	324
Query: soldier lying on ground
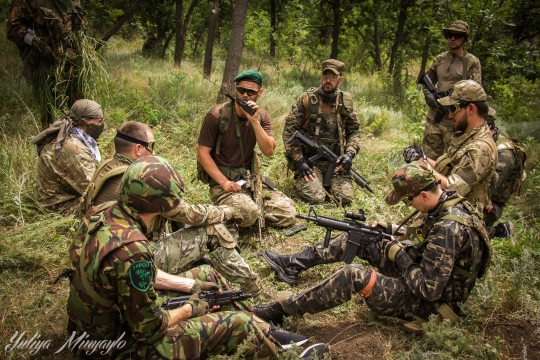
178	251
115	283
448	252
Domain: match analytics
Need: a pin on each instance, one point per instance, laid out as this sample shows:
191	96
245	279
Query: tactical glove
200	285
198	307
345	160
412	153
45	51
431	101
393	250
303	168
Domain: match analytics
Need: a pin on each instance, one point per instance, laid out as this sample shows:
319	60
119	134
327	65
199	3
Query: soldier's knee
250	213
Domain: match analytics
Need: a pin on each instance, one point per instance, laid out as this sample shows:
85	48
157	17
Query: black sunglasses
454	35
242	90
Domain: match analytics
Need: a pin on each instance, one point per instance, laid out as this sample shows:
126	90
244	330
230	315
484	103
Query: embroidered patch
419	235
141	274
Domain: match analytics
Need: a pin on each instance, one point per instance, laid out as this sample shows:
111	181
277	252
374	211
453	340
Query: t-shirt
229	152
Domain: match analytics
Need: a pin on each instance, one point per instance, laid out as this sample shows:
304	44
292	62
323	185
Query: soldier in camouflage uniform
226	151
115	282
42	30
468	166
511	174
178	251
448	252
68	155
447	69
326	115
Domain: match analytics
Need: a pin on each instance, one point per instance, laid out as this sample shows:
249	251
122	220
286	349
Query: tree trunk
377	42
273	26
400	37
335	29
178	30
178	57
425	54
129	12
212	27
166	44
236	45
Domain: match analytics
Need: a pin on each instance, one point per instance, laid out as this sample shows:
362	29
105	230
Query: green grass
34	245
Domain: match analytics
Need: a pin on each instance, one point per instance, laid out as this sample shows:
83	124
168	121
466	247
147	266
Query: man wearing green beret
226	152
326	115
448	68
433	272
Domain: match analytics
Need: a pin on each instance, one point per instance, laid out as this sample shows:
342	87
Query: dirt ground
519	338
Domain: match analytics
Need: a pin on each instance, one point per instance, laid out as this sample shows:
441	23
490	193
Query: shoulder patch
141	274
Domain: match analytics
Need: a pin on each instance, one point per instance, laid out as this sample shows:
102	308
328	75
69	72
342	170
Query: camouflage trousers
211	334
390	296
313	192
278	208
436	139
177	252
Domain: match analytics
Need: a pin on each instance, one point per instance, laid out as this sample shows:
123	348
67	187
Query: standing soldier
326	115
50	37
226	151
511	174
446	70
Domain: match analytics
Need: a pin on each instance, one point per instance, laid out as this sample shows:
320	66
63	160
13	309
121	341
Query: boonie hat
409	181
458	26
465	90
336	66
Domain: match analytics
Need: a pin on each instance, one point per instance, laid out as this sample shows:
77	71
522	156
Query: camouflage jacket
430	267
469	164
304	120
119	267
60	182
509	170
446	70
50	24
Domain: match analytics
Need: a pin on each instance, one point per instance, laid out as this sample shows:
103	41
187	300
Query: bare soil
519	338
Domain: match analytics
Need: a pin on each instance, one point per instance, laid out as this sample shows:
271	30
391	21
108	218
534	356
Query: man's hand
304	170
412	153
345	161
45	51
200	285
198	307
255	117
231	186
430	100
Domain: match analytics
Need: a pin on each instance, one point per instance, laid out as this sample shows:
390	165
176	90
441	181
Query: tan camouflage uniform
119	266
178	251
444	72
299	119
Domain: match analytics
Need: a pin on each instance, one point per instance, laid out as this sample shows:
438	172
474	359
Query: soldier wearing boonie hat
447	69
414	280
326	115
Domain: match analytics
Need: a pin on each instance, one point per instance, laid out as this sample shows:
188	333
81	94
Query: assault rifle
255	182
243	104
324	153
441	110
213	298
360	235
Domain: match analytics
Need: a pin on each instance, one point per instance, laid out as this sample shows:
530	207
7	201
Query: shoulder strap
225	118
465	66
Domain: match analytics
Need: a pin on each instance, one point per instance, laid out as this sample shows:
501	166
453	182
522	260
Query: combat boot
288	267
286	338
316	352
270	312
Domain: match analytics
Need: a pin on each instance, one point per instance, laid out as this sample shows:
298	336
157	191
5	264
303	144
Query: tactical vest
514	182
312	124
89	270
234	174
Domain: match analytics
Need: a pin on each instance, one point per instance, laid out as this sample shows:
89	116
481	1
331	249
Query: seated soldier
68	154
178	251
117	290
450	251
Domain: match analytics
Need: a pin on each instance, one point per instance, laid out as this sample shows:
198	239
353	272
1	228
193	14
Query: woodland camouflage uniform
177	252
303	118
445	71
54	22
113	255
450	249
471	159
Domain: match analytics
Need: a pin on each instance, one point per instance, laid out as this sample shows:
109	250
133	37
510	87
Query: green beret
249	75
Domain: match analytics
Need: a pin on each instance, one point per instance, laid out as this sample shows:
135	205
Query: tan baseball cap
336	66
465	90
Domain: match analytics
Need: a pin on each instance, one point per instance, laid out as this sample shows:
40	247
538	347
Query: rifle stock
213	298
441	110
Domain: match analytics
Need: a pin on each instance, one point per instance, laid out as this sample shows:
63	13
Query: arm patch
141	274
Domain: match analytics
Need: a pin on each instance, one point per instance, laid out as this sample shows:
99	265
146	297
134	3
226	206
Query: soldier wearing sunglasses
446	70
